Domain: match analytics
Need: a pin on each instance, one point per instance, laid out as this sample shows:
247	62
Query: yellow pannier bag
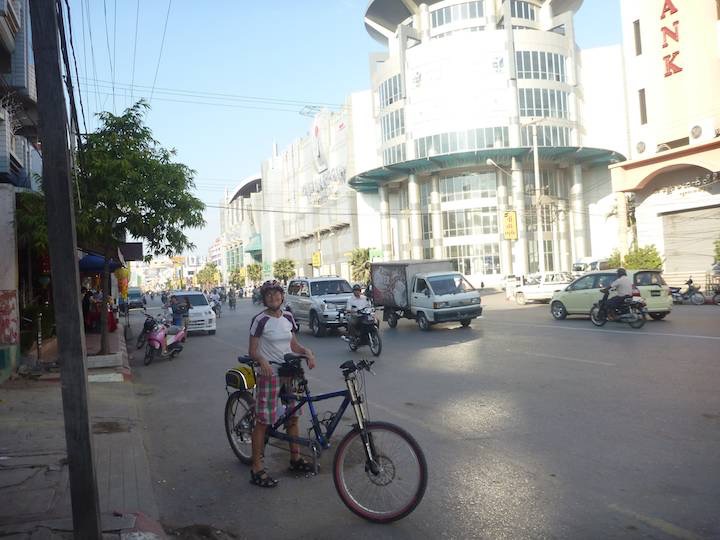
241	377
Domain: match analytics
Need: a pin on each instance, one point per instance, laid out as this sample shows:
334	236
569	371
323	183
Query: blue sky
279	54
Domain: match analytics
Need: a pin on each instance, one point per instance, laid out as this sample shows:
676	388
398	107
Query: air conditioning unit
702	131
644	146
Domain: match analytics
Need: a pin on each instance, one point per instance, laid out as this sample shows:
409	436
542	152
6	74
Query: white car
202	317
541	287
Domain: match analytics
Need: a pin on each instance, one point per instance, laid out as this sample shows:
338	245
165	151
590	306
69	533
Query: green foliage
642	258
31	220
209	275
284	269
360	265
236	279
254	272
717	250
615	260
130	187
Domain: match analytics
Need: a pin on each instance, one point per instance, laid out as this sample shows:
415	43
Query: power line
92	49
132	80
77	74
107	41
114	41
218	96
162	45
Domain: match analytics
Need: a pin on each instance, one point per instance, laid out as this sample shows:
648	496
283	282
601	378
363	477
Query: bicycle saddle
289	357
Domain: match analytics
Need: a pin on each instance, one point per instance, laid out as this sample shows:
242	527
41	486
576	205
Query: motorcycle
162	330
232	303
632	311
216	307
692	294
148	326
367	332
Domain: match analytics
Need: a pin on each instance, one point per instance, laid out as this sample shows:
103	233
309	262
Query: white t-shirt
275	334
623	286
354	304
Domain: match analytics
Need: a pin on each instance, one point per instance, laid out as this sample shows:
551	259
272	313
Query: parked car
541	287
201	317
580	295
316	301
135	298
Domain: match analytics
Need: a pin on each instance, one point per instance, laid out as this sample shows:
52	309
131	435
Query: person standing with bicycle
272	335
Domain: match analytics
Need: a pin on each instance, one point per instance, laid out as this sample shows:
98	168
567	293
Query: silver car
317	301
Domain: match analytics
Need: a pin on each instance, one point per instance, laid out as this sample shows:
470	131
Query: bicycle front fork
366	437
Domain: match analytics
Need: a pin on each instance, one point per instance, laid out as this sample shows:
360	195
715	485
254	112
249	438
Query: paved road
532	428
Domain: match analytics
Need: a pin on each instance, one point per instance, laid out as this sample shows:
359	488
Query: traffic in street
532	428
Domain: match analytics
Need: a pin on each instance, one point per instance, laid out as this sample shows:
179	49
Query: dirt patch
193	532
110	427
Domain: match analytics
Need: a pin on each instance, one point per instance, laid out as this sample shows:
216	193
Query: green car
578	297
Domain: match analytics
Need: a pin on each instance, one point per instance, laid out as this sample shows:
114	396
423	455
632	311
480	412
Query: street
532	428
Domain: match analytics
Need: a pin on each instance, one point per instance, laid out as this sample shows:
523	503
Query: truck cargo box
390	279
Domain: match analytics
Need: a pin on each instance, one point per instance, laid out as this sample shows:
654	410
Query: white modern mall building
671	183
456	99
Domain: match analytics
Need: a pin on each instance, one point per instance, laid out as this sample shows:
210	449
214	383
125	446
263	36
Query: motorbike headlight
438	305
475	300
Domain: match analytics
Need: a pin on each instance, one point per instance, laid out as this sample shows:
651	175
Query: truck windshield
450	284
335	286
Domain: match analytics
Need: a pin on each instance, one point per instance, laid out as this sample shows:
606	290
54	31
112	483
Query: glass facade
458	12
470	221
475	258
392	124
394	154
540	65
462	141
543	102
390	91
523	10
468	186
547	136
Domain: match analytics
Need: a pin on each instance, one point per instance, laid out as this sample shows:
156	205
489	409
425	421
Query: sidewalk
34	486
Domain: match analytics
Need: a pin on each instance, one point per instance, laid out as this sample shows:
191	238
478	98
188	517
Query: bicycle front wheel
398	484
239	424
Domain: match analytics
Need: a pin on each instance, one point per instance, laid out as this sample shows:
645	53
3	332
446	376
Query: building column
502	203
385	223
577	207
622	223
436	235
416	248
518	190
564	230
10	315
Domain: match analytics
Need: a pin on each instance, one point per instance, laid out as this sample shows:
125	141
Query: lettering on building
671	31
324	185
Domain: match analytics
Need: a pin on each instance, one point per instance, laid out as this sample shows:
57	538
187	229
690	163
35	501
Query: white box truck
428	291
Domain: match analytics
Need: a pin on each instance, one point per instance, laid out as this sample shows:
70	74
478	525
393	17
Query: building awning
94	263
637	174
255	244
371	180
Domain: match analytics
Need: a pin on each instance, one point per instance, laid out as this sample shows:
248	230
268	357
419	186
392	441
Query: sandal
262	479
301	465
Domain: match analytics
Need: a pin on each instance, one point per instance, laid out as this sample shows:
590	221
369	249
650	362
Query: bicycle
369	473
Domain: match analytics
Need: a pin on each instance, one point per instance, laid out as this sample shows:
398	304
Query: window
643	106
541	65
469	186
458	12
649	278
543	102
603	280
469	222
294	288
420	286
522	10
582	284
475	259
390	91
462	141
392	124
547	136
394	154
638	38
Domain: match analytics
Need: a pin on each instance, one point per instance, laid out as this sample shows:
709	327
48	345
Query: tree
129	187
643	258
717	250
284	269
209	275
360	265
254	272
237	279
615	260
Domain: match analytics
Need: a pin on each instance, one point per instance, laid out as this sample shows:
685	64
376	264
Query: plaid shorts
267	393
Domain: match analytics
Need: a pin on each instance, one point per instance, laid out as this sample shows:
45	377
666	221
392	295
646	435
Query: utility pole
539	230
65	274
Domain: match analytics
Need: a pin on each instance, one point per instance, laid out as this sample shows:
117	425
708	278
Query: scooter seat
173	330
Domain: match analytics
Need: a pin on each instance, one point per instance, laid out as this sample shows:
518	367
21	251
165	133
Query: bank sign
670	30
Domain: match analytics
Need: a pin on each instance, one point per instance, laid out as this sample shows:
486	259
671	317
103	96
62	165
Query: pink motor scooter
163	330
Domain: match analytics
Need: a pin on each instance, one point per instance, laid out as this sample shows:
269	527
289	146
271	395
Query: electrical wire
77	74
107	42
132	79
92	49
162	45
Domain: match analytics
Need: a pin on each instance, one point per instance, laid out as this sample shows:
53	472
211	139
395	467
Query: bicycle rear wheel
239	424
399	484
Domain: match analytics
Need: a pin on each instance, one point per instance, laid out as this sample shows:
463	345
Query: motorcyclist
623	290
354	304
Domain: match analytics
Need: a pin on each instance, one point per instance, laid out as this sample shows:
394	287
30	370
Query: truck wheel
392	319
316	327
422	322
465	322
520	298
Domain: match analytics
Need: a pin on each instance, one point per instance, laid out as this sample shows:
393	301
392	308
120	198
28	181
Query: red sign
671	68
